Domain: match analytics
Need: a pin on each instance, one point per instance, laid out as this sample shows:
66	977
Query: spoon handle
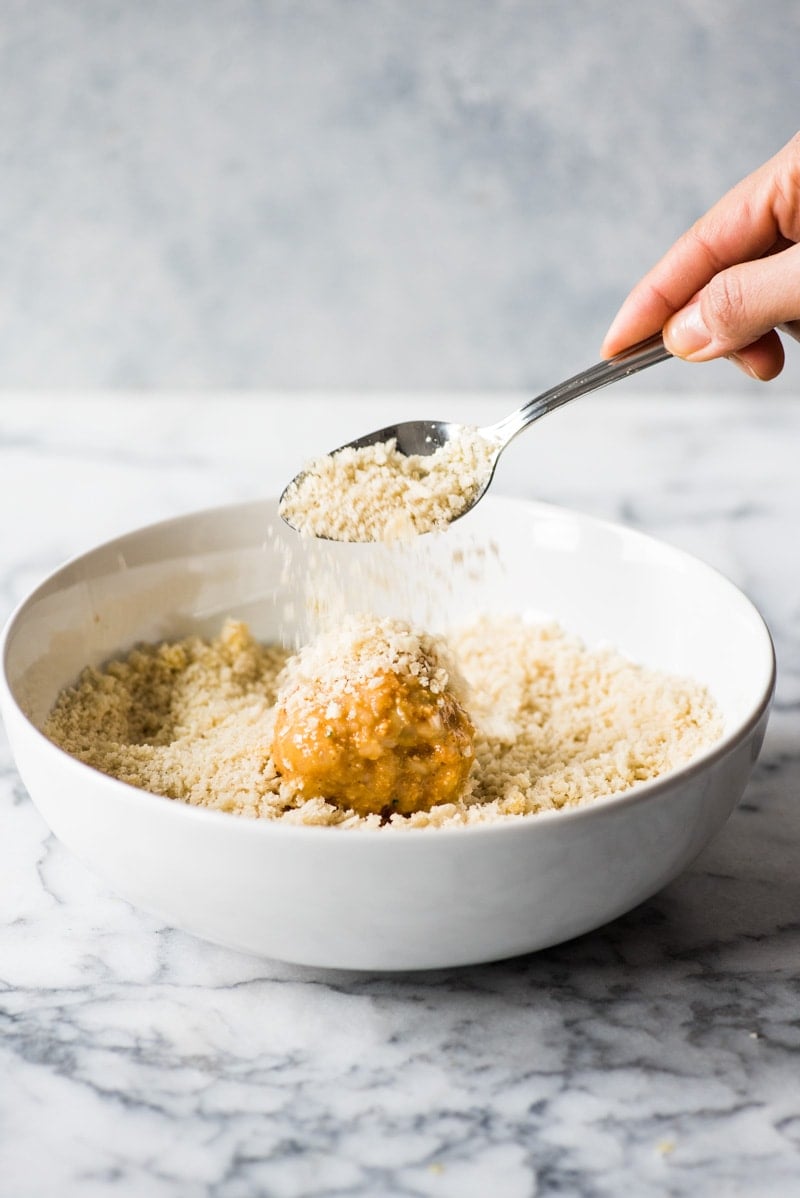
629	361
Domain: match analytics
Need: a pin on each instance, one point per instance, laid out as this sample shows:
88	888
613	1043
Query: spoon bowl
424	438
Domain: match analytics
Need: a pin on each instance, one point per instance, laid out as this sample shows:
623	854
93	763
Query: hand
730	281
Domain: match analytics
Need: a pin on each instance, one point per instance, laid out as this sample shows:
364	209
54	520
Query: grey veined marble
657	1056
329	193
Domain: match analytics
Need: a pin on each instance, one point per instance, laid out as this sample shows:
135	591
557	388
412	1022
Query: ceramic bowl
382	899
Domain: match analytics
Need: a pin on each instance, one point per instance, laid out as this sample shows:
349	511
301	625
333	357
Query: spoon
425	437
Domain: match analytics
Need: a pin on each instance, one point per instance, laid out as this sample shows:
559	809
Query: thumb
736	308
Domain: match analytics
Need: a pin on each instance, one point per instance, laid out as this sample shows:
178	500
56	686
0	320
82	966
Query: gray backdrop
351	193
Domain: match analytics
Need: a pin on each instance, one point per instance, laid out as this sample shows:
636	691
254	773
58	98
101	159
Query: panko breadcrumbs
377	493
556	725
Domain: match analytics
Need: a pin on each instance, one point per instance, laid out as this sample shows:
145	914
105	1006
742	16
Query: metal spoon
424	437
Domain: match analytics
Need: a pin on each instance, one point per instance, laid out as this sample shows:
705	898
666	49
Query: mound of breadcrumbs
376	493
557	725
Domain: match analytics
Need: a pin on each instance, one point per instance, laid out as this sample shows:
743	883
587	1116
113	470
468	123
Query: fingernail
685	333
745	366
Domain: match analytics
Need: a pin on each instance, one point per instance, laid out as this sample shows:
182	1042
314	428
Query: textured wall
455	193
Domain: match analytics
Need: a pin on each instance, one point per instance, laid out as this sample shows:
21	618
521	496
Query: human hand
730	281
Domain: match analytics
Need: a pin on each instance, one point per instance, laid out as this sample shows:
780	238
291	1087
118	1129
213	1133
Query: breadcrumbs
361	647
377	493
557	725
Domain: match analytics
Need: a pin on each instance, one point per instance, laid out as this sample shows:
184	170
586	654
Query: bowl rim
642	792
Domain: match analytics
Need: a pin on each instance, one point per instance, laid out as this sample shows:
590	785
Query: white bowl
383	899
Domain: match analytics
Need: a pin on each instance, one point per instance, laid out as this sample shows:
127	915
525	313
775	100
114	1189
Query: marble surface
308	193
659	1055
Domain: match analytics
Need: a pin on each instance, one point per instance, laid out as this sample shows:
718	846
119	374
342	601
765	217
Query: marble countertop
659	1055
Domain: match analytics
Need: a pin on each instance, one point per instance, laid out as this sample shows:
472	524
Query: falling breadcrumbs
540	722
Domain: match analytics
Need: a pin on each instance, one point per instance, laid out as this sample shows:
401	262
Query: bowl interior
605	583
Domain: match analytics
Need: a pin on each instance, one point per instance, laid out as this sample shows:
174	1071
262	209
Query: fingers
792	327
763	360
734	311
759	216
